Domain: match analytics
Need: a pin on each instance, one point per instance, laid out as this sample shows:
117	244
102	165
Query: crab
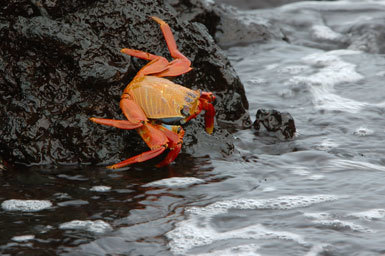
157	107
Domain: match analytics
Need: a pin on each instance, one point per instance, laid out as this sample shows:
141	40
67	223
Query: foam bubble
23	238
332	70
279	203
241	250
100	188
294	69
191	233
329	221
97	226
369	215
175	182
325	33
269	189
326	144
25	205
301	171
317	215
338	164
197	230
317	249
340	224
363	131
316	177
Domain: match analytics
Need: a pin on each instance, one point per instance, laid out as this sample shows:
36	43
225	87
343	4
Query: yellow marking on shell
161	98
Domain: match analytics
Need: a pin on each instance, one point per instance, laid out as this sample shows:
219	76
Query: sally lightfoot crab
156	107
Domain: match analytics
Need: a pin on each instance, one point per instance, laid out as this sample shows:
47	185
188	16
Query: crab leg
121	124
205	100
139	158
175	144
156	140
180	64
156	65
131	110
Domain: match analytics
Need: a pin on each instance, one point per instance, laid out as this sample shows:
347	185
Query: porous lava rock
60	64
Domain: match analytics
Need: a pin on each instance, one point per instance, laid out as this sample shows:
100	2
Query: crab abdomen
162	99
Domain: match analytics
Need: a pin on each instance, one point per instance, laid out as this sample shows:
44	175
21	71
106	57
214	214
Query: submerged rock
60	64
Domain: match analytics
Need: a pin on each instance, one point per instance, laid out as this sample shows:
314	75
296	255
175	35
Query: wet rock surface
281	123
60	64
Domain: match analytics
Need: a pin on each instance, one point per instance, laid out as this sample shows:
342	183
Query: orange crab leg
157	64
167	33
139	158
205	104
181	64
175	144
205	100
155	139
131	110
121	124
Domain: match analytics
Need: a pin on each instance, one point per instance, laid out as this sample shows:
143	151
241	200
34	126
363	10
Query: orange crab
157	107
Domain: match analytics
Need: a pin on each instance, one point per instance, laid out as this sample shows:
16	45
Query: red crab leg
175	144
139	158
157	64
131	110
205	100
121	124
180	64
205	104
156	140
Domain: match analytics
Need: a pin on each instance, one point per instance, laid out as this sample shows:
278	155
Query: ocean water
320	193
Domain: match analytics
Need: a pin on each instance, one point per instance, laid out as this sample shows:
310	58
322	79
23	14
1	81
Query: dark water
319	194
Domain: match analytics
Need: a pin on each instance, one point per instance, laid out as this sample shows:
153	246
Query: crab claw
206	100
209	118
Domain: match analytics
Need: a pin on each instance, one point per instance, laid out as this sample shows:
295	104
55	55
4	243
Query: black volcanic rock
60	63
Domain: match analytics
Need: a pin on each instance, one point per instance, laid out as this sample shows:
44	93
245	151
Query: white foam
257	81
279	203
191	233
325	33
294	69
96	226
23	238
316	250
317	215
363	131
332	70
268	189
241	250
326	144
26	205
338	164
100	189
327	220
316	177
300	171
196	230
340	224
373	214
175	182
